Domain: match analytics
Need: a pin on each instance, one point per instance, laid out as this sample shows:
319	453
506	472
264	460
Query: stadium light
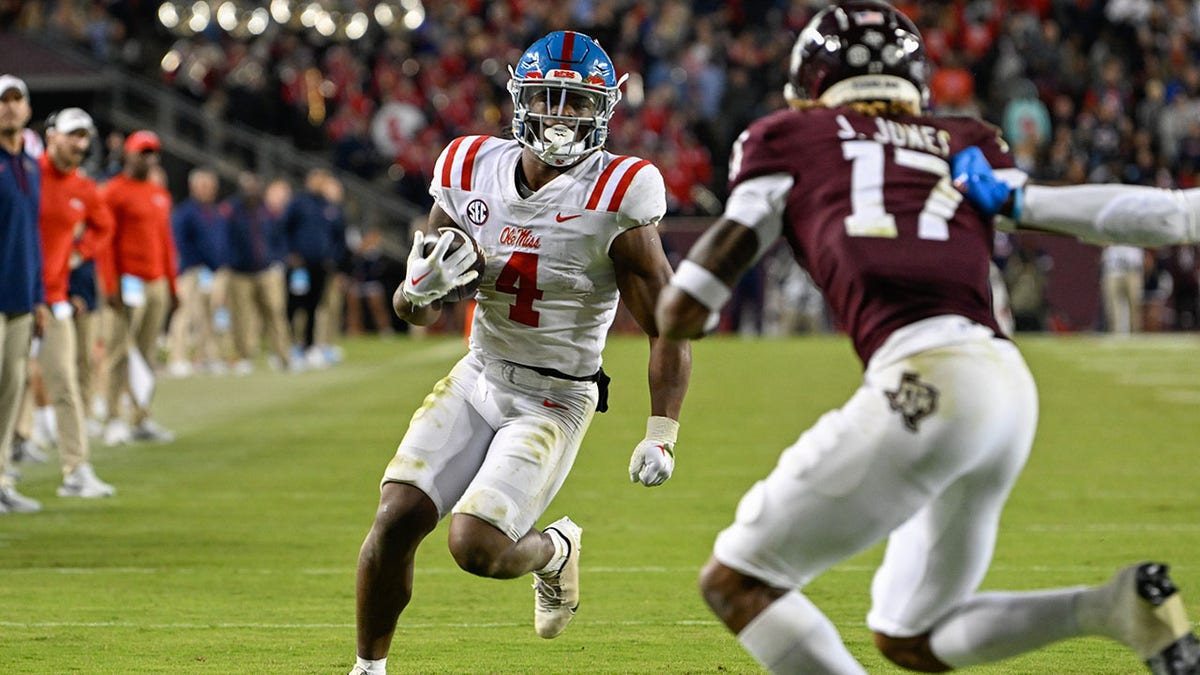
168	15
201	15
281	11
258	21
310	14
385	15
227	16
357	26
323	19
326	24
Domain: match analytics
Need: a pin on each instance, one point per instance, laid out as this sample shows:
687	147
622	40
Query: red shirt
73	219
142	243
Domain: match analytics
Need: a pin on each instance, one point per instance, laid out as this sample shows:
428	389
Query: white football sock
373	667
561	549
793	636
994	626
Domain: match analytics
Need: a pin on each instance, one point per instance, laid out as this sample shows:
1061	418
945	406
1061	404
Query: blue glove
973	176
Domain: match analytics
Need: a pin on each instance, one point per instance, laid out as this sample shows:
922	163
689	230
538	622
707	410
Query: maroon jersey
873	214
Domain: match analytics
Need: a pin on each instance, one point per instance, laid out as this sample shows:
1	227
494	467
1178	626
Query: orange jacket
142	244
73	219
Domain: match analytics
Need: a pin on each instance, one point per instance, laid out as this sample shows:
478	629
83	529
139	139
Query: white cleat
12	501
25	450
556	596
83	482
1145	612
152	431
180	369
117	432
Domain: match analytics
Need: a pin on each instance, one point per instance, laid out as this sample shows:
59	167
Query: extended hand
974	177
430	277
653	459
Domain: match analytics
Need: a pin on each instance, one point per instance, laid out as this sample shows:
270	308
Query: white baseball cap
69	120
12	82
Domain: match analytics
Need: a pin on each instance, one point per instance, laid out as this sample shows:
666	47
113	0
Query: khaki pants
85	362
258	300
57	359
16	334
1123	301
135	327
191	334
329	311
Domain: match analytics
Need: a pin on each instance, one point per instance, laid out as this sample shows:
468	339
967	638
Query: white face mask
561	122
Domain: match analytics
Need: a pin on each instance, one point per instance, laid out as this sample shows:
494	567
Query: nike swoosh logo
418	280
551	404
559	217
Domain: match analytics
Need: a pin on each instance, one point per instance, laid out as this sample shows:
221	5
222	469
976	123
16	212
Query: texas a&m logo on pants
913	399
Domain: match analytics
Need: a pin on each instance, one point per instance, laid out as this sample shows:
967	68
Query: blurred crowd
1084	90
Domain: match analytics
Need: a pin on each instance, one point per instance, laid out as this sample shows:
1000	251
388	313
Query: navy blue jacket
315	229
201	235
256	238
21	284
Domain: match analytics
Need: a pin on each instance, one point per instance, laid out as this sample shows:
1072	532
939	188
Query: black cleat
1165	620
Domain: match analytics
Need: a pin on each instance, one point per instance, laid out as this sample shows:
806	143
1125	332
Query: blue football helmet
564	91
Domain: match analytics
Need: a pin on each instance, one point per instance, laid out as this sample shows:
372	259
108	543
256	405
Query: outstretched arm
1110	213
1103	213
643	272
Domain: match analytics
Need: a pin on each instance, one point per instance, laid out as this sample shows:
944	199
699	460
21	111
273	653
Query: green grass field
233	550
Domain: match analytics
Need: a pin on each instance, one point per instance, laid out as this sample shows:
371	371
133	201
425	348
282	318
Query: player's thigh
530	456
446	439
838	490
938	557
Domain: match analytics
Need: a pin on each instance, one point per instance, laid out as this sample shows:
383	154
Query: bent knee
405	513
735	598
473	557
718	583
479	547
913	653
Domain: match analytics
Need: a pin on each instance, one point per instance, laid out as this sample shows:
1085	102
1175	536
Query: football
461	238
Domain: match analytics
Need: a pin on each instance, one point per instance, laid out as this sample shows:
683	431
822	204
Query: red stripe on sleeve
449	163
602	181
469	161
623	186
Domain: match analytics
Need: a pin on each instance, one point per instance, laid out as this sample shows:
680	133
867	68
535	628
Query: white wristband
702	285
662	429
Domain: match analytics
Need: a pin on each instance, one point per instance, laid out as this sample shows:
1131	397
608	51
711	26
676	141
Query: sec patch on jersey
465	291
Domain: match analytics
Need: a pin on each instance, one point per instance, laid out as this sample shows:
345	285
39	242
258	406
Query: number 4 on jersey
519	278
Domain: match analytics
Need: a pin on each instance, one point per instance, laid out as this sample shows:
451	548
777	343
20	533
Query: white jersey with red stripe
549	291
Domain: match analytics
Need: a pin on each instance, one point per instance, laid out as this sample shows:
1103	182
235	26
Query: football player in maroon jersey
862	185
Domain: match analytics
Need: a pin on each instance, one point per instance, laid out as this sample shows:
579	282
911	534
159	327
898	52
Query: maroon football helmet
859	50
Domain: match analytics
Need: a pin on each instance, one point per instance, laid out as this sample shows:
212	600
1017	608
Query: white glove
654	458
431	277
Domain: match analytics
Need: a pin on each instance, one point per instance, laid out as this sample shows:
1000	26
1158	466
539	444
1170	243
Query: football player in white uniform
861	184
564	227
